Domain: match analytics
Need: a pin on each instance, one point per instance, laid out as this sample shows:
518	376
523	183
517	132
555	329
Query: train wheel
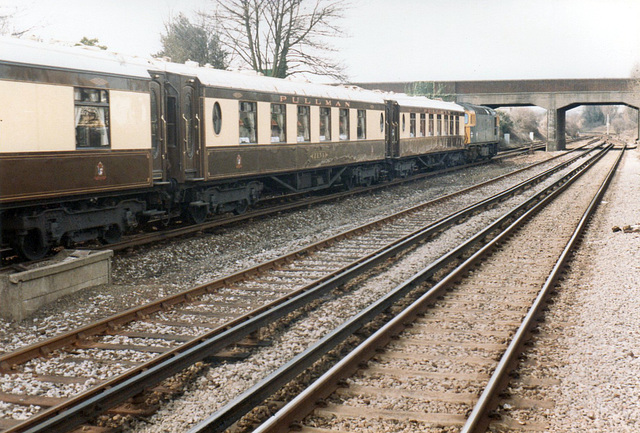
32	245
112	235
197	214
348	182
241	207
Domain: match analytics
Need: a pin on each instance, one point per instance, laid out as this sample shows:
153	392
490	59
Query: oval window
381	122
217	118
403	123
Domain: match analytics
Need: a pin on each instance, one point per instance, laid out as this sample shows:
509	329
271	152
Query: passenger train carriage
93	143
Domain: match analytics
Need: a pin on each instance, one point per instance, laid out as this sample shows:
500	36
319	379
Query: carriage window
155	138
423	124
362	124
304	122
412	125
381	122
278	123
217	118
450	125
325	123
439	124
187	116
445	129
344	124
430	125
91	118
172	128
457	125
403	123
248	122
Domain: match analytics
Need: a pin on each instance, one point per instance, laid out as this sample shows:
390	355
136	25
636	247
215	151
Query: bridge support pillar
556	121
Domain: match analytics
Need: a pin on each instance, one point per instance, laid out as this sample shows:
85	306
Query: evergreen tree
91	43
184	41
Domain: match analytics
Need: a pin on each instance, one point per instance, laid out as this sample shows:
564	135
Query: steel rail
224	221
306	401
519	150
257	213
85	406
478	419
7	361
238	407
271	210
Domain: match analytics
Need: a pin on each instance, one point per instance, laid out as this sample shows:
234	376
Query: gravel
220	384
161	270
589	342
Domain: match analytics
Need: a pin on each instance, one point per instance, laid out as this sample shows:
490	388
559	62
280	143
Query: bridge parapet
556	96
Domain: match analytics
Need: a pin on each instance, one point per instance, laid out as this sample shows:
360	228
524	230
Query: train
95	143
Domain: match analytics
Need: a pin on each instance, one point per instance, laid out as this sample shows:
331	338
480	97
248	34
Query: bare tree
280	38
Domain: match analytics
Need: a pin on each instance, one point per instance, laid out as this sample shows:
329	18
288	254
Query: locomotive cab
481	130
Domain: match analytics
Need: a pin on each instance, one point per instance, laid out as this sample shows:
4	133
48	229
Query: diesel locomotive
94	143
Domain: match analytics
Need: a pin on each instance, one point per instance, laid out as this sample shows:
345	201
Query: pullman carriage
258	132
423	134
74	127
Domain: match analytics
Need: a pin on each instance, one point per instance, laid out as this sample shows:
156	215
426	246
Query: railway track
440	364
520	150
275	205
201	323
266	207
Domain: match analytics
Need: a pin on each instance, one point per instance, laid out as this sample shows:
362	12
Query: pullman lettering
313	101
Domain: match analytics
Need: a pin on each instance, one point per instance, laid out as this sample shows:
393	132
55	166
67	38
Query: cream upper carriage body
40	89
267	96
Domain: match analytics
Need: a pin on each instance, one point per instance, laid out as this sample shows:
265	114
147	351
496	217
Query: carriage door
182	128
190	131
174	157
392	114
158	132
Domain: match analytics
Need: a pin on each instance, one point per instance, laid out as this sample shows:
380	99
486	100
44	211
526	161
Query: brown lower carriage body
257	160
40	176
51	198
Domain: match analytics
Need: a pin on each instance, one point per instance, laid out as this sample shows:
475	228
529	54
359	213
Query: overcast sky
399	40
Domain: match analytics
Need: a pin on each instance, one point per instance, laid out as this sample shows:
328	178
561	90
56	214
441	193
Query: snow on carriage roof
79	58
423	102
249	80
92	59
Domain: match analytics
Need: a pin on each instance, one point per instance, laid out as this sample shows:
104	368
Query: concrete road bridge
556	96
